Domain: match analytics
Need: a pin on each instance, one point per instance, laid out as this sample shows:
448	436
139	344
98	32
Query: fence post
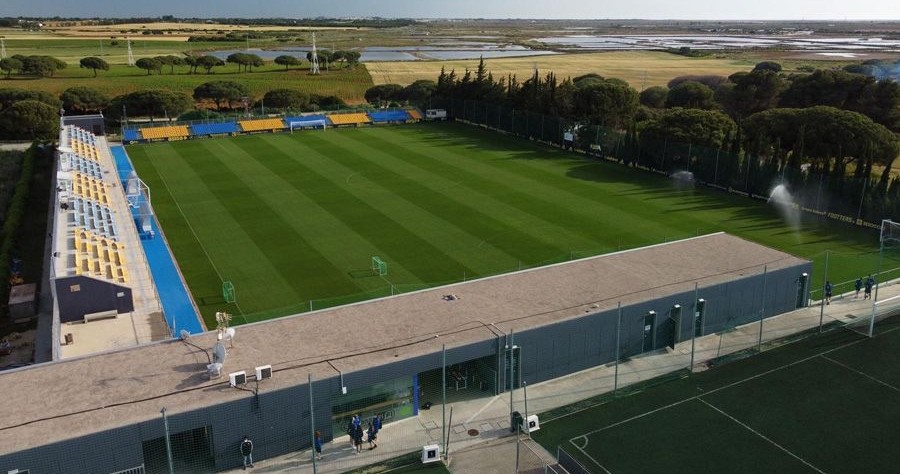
618	333
694	324
168	442
510	374
762	310
525	398
312	421
444	395
822	302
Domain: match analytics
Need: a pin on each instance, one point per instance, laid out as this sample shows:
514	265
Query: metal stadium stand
389	116
415	114
170	131
349	119
100	257
73	162
94	217
131	135
90	188
214	128
260	125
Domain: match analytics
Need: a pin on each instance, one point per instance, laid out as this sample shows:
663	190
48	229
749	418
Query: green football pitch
294	220
828	403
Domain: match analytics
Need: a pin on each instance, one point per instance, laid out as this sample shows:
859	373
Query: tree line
830	135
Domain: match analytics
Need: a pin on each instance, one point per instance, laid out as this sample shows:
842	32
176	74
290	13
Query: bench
111	314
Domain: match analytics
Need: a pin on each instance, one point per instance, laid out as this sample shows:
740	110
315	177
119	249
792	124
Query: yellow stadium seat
349	119
261	125
172	131
414	114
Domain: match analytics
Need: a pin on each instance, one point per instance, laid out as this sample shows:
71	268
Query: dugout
380	356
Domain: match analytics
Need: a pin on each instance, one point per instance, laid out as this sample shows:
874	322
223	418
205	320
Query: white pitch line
862	373
601	466
757	433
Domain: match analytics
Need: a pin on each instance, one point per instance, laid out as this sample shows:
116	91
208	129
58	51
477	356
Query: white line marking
674	404
495	397
757	433
601	466
862	373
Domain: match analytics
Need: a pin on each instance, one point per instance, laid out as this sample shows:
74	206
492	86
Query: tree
191	61
94	63
220	92
241	59
149	64
209	62
352	58
699	127
254	60
43	66
29	120
83	100
608	103
149	103
383	93
170	61
710	80
751	92
10	96
654	97
287	99
418	92
879	100
768	66
691	95
287	61
9	65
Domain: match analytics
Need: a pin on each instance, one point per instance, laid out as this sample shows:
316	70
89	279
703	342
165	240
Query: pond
707	42
444	50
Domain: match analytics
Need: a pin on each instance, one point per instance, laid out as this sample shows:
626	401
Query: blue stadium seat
131	134
214	128
389	116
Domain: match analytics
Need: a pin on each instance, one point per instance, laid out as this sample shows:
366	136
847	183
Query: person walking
376	422
372	435
247	451
858	286
870	282
318	445
358	438
828	291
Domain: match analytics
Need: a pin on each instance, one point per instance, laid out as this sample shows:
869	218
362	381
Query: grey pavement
490	447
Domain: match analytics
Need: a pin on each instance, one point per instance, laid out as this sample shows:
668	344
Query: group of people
867	285
355	431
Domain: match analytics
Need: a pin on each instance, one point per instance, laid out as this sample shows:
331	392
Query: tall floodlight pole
314	60
2	48
130	52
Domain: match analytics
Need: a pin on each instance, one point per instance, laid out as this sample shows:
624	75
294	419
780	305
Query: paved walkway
490	447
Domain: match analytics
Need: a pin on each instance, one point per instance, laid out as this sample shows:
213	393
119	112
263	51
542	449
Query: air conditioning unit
264	372
431	453
532	424
238	378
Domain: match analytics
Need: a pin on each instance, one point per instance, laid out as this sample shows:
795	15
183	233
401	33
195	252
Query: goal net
228	292
885	308
379	266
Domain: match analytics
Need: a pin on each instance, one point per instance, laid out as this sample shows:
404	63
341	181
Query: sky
581	9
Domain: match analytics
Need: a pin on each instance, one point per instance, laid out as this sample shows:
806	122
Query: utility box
22	302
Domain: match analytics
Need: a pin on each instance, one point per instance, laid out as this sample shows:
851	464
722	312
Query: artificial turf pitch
293	220
828	403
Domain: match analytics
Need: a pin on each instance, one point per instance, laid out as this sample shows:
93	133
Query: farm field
294	220
641	69
349	84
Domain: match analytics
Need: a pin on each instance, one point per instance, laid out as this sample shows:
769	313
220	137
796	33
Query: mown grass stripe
306	271
360	216
457	205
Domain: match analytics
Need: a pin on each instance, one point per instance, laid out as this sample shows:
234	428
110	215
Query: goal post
228	292
889	239
315	124
379	266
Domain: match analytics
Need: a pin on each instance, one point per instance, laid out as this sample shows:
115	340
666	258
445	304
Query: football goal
379	266
228	292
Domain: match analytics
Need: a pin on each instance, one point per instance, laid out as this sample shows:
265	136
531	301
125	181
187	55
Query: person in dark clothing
870	282
376	423
318	445
247	452
358	438
828	291
372	435
858	286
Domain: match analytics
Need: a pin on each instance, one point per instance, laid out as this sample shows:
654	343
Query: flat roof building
558	320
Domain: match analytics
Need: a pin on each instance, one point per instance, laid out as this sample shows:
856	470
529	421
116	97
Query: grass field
829	403
293	218
641	69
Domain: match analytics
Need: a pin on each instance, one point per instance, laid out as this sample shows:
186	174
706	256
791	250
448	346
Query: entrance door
699	314
672	332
